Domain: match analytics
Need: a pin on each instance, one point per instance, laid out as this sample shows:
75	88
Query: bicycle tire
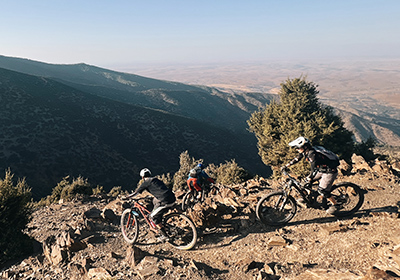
273	209
349	196
188	201
129	226
181	231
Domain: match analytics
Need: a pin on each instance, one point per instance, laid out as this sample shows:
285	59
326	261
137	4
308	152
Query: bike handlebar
133	198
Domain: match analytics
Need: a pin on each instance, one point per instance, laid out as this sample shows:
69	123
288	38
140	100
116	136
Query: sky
118	33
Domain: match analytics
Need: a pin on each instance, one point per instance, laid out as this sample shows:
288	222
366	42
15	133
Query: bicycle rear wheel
276	209
129	226
180	230
349	197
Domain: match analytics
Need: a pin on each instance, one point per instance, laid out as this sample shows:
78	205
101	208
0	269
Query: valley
368	89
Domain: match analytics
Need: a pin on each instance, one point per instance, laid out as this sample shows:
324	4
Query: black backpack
328	154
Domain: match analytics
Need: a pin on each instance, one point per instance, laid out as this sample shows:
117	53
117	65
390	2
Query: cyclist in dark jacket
321	169
163	199
197	178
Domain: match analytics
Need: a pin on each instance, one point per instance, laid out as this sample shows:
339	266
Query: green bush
115	191
98	190
15	213
180	177
225	173
69	189
366	148
228	173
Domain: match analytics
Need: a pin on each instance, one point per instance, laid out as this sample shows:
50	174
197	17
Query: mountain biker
321	169
197	178
163	199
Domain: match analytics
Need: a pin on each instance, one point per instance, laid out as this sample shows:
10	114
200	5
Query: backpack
329	154
194	172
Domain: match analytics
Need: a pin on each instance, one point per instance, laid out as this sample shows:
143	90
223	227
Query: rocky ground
82	240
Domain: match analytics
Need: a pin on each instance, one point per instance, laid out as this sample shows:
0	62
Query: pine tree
15	213
298	113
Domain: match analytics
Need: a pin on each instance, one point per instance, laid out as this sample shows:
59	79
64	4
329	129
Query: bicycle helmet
300	142
200	166
145	172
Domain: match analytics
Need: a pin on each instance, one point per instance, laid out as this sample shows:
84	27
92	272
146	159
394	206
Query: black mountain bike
279	207
192	196
180	230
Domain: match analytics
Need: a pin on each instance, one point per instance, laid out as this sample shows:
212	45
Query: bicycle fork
131	221
281	202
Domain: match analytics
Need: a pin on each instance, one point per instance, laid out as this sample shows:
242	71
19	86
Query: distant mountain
364	125
225	109
50	130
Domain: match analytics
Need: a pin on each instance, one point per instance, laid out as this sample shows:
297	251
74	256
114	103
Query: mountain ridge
228	110
51	130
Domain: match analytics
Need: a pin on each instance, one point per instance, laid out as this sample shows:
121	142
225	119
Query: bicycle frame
291	183
305	190
145	214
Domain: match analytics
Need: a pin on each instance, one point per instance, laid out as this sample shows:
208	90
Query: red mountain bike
180	230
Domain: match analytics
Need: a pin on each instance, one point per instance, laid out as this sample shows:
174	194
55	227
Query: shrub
69	189
15	213
98	190
365	148
226	173
180	177
115	191
229	173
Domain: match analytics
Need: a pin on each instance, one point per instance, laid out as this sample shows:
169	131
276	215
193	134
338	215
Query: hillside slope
78	241
50	130
225	109
364	124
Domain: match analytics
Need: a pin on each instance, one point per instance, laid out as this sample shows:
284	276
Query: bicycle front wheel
180	230
189	200
349	197
129	226
276	209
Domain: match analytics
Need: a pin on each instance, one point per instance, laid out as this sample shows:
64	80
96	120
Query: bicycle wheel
129	226
189	200
349	197
180	230
275	209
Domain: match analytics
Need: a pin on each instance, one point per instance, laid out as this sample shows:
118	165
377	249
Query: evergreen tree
298	113
186	163
15	213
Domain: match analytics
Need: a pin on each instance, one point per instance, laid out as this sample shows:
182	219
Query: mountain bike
180	230
192	196
279	207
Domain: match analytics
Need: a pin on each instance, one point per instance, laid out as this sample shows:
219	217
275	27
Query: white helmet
299	142
145	172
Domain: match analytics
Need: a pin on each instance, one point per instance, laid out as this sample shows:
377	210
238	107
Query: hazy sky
115	32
